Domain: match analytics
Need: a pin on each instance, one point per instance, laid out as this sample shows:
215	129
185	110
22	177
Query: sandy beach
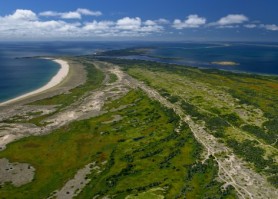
58	78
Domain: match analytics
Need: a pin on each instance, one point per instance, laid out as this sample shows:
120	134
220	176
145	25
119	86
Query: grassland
140	154
239	109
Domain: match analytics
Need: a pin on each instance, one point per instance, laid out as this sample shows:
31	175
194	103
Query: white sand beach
58	78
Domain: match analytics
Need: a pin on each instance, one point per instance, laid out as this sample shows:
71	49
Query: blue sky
201	20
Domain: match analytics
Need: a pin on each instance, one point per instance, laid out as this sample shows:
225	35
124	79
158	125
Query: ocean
19	75
260	58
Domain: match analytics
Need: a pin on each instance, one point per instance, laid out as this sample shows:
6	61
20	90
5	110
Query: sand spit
225	63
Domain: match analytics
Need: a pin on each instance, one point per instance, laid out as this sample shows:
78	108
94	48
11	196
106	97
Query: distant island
225	63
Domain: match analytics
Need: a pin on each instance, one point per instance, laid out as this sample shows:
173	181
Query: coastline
57	79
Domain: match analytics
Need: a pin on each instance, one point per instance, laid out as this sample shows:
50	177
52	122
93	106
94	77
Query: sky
150	20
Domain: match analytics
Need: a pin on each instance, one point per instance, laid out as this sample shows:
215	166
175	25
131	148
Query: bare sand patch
16	173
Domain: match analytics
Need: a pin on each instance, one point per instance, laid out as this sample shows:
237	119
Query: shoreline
54	81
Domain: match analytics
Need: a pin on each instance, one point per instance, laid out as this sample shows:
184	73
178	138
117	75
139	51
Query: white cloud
49	14
63	15
129	23
48	25
150	29
137	26
22	15
271	27
123	27
24	24
192	21
162	21
150	23
72	14
96	26
232	19
250	26
228	26
84	11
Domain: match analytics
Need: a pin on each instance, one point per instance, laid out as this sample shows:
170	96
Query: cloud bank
26	24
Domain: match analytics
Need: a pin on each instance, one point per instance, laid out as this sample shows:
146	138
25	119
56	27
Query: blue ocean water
19	76
259	58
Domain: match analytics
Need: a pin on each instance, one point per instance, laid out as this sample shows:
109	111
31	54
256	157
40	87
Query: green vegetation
140	155
259	132
93	81
113	78
207	185
124	52
251	153
233	107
